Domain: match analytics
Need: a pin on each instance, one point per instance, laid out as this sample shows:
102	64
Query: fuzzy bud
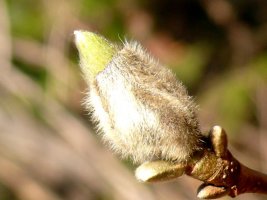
141	109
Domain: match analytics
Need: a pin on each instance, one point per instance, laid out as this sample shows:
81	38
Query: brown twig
251	181
222	173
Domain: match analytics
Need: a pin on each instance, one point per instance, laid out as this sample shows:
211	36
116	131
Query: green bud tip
95	52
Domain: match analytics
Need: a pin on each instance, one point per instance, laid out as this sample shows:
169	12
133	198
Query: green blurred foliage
191	67
105	15
27	18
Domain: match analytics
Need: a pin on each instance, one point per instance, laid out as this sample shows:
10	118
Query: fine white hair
142	110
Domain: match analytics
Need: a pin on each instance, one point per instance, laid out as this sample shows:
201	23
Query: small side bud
218	139
158	171
211	192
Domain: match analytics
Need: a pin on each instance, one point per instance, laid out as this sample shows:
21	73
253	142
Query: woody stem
250	181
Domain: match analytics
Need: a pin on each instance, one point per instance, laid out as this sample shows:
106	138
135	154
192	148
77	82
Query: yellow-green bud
95	52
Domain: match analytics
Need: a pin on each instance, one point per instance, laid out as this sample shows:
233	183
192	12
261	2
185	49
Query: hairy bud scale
142	110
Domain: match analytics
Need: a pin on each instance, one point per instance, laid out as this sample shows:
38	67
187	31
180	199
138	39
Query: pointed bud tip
81	37
95	52
78	36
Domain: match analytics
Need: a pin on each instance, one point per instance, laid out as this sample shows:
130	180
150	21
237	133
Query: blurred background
48	148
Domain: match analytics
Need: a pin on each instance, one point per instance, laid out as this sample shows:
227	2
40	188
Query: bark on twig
223	174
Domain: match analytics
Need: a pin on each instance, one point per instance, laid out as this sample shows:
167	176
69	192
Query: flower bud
142	111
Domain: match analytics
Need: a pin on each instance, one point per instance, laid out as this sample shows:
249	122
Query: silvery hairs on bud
142	110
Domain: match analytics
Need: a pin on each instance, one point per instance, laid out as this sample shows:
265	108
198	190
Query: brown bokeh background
48	149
